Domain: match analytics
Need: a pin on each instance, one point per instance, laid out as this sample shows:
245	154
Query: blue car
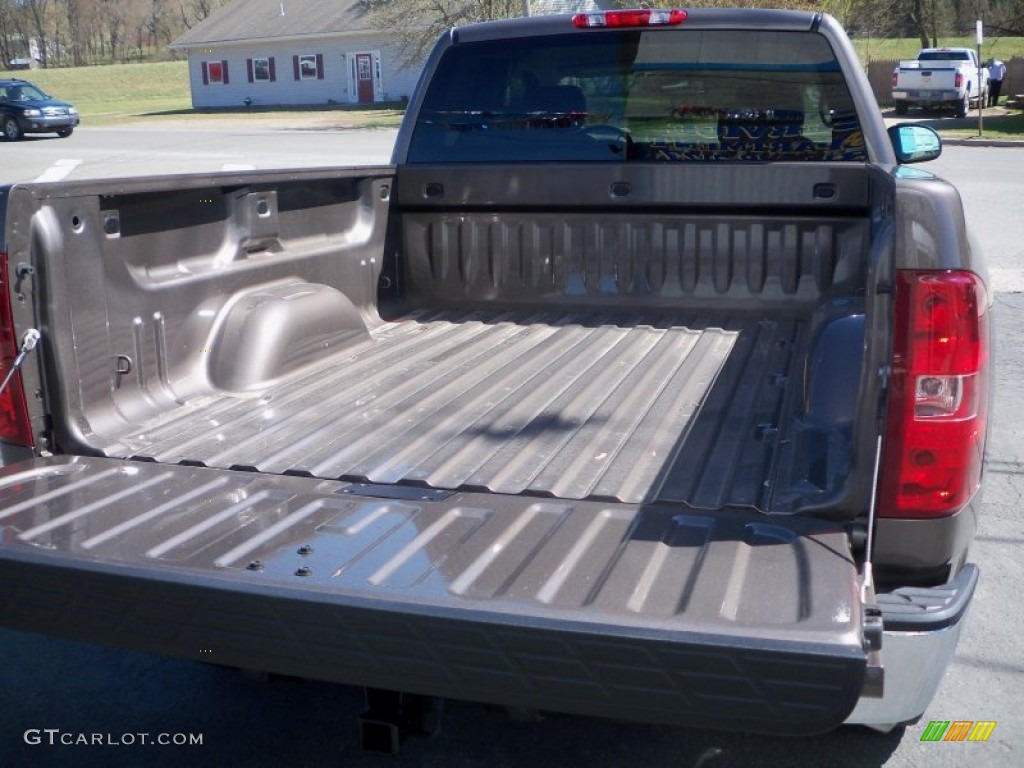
26	108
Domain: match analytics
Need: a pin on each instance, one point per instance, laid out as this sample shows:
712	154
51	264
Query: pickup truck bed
694	365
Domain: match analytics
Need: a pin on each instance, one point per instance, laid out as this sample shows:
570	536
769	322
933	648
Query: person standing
996	73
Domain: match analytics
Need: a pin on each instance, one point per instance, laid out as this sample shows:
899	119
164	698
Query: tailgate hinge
871	616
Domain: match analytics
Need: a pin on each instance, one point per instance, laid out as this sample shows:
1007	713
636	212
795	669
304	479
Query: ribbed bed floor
630	408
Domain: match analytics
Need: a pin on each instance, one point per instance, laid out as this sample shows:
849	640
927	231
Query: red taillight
938	399
635	18
895	76
14	423
958	80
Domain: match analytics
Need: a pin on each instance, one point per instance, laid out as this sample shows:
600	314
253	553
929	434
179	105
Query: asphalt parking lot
47	683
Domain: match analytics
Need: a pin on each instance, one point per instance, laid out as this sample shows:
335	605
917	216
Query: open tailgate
731	620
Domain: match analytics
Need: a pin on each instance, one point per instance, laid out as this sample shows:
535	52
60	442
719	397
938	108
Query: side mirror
915	143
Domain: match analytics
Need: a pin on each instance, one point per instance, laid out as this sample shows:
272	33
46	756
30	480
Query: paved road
49	683
991	182
142	150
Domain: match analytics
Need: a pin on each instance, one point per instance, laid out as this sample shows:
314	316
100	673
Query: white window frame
256	69
312	74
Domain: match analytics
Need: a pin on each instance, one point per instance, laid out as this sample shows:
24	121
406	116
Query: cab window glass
650	95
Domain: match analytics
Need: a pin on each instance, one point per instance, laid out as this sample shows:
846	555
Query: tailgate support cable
867	575
874	673
28	342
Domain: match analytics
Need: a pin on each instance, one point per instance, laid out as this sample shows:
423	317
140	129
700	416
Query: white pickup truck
940	77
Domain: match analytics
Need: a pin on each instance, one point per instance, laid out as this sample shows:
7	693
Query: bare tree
1006	18
73	15
414	25
154	26
931	19
82	32
35	14
113	20
10	41
195	11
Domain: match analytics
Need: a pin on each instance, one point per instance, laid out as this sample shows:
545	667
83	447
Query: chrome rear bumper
922	627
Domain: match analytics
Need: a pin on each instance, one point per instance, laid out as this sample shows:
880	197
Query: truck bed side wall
154	293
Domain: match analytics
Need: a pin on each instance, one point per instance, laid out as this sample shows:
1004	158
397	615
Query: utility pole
526	7
982	96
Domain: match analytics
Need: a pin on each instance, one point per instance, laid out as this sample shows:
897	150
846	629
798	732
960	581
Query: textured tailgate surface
731	620
650	566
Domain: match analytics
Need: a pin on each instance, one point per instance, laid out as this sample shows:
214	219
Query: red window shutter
295	66
273	71
319	66
224	67
248	69
206	74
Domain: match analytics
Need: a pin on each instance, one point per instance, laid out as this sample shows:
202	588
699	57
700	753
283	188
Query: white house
291	52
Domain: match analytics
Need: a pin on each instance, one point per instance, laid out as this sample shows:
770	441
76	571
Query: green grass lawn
1010	126
120	93
1004	48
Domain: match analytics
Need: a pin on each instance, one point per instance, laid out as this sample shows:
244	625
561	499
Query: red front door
364	77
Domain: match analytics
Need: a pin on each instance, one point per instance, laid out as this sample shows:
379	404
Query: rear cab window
943	56
639	95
